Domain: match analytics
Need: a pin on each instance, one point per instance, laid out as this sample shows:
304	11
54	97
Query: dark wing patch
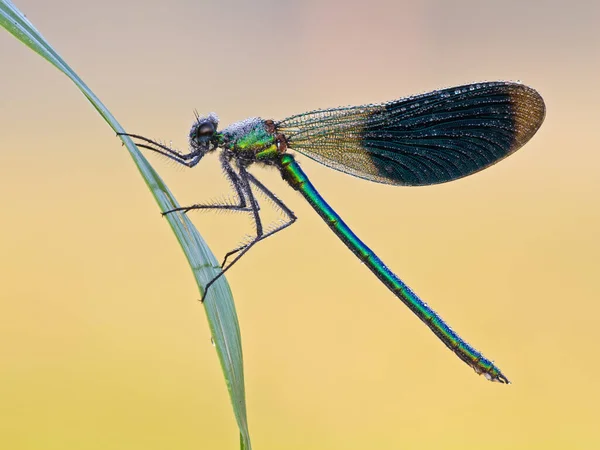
426	139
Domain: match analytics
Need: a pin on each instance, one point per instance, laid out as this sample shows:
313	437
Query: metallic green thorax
250	139
294	175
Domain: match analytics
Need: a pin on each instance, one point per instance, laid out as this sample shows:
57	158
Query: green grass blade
219	306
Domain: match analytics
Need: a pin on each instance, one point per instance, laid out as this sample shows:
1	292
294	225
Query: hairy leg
248	178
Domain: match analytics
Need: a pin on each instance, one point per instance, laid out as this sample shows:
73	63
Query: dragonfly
420	140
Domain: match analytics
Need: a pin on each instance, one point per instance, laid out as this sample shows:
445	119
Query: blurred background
103	343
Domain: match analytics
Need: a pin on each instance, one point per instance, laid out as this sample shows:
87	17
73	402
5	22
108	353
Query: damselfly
426	139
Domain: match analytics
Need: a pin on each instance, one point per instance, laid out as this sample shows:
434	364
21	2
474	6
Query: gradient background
103	343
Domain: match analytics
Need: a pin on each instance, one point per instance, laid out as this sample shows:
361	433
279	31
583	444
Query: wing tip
529	111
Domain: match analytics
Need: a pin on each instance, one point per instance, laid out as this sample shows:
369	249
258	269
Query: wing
426	139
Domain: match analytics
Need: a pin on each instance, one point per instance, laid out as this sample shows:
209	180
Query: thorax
253	139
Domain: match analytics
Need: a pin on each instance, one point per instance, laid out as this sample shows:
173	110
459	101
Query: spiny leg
240	183
240	186
245	185
235	182
190	160
273	197
242	251
287	211
245	175
185	159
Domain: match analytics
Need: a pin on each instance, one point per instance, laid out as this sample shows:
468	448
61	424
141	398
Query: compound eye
205	130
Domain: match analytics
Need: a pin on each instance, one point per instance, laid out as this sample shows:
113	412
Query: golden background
103	344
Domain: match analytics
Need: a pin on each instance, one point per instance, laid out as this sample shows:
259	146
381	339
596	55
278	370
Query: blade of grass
219	306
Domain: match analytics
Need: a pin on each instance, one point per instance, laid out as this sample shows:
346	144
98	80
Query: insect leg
249	178
186	159
291	217
237	185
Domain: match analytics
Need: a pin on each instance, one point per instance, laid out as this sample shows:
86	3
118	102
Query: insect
426	139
